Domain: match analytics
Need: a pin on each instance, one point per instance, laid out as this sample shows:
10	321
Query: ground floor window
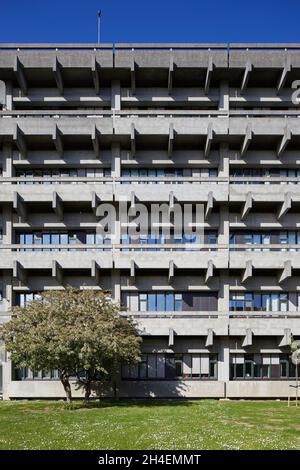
262	366
173	366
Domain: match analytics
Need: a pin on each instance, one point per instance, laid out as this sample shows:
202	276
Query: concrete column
116	160
223	161
223	300
116	95
224	96
224	361
7	304
116	285
7	152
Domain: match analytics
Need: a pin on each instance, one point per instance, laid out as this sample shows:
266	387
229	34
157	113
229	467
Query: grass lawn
164	424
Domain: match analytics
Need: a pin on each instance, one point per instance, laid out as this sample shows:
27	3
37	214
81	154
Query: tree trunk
87	388
64	378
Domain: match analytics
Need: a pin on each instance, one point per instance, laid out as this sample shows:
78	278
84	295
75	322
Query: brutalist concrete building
214	124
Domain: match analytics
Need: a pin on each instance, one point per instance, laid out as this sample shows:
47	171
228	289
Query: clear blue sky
150	20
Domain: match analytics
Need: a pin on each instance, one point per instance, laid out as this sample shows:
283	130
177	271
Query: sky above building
150	21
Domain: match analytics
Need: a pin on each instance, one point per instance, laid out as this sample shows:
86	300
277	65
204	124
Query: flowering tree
77	332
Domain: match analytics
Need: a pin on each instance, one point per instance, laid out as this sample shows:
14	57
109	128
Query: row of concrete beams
57	204
285	272
19	138
171	71
209	338
284	206
209	271
247	341
285	139
19	71
286	68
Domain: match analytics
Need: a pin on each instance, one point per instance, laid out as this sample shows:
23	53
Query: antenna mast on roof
98	25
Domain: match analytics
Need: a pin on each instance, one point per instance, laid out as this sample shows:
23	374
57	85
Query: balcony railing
113	247
250	314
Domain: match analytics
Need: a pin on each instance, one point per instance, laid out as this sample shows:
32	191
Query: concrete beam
56	69
57	272
20	75
247	139
57	140
287	338
96	141
132	73
132	199
286	69
247	206
171	270
132	269
209	271
171	139
95	271
209	71
210	338
95	201
285	206
285	140
171	75
19	273
171	201
245	79
132	139
57	205
19	206
209	139
209	205
248	272
286	272
95	67
171	337
248	340
19	140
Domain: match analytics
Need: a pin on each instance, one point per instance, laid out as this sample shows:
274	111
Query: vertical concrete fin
56	69
247	205
19	206
171	337
284	141
57	272
246	75
209	71
171	270
19	273
132	72
209	271
209	139
132	268
132	139
287	338
248	338
248	271
247	139
95	135
286	271
210	338
19	140
57	205
95	271
287	67
95	201
57	140
285	206
171	139
20	75
170	73
209	205
95	68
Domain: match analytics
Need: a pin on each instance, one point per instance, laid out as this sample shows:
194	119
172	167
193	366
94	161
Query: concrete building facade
214	124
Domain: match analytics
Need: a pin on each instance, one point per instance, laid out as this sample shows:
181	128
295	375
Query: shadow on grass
125	403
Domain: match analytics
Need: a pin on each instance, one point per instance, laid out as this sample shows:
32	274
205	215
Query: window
261	367
268	302
170	366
